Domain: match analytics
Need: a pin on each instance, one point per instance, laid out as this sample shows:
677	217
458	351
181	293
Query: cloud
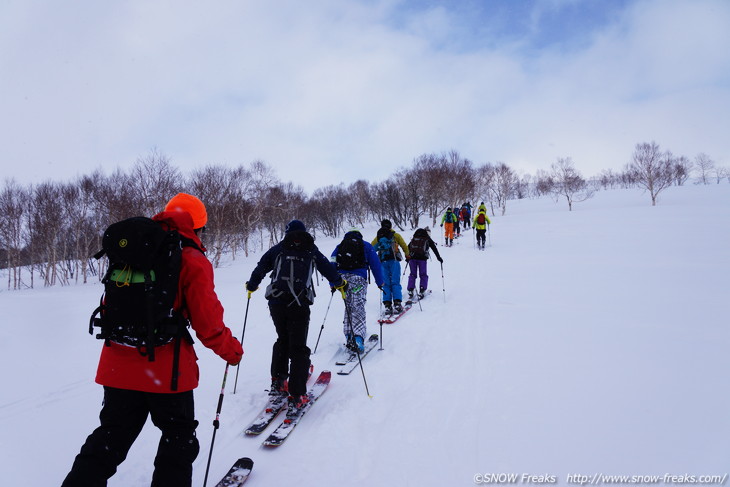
333	91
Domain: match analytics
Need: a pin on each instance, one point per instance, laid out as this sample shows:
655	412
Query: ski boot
397	307
295	406
279	387
356	344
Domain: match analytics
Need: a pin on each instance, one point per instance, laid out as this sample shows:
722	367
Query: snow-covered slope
584	342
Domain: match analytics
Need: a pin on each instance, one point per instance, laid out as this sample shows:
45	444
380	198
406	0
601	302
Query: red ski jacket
123	367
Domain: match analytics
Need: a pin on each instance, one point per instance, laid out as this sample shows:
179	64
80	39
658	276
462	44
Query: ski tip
238	473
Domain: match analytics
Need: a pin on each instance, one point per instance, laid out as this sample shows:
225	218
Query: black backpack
291	277
351	253
140	287
418	247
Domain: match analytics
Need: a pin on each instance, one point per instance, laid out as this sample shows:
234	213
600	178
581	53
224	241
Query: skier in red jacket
135	387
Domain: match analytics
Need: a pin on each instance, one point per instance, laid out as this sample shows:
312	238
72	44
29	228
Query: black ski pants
290	355
481	237
122	417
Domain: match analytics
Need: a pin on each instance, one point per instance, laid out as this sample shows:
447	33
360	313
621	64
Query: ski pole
381	336
443	282
357	350
243	334
382	296
216	424
325	319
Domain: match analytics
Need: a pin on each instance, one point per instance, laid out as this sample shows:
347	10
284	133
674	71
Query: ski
342	355
352	361
271	410
395	316
415	301
389	319
345	354
238	473
282	432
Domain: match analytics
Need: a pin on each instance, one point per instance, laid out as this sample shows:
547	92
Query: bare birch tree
568	183
704	165
651	169
681	170
720	173
328	209
154	180
357	210
14	205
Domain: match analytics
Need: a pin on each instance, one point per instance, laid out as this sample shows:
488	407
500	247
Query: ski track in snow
578	342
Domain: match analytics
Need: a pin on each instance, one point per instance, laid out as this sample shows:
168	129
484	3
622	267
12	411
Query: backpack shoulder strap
189	242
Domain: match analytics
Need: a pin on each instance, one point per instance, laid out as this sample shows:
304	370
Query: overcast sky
330	91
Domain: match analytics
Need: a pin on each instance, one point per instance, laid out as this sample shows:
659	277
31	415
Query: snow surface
583	342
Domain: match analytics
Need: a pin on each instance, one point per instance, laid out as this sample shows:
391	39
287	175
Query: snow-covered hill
584	342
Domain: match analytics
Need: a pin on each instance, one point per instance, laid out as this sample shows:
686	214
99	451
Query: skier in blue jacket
354	257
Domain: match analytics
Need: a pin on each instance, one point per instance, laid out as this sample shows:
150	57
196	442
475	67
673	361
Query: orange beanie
190	204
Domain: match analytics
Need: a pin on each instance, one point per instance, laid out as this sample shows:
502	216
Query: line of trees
49	231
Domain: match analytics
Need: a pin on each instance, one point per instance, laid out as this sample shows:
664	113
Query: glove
250	288
342	288
441	260
441	225
235	361
234	358
408	258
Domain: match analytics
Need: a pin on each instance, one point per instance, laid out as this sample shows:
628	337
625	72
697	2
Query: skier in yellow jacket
480	224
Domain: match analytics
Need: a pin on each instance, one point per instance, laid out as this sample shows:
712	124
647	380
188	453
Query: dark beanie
386	224
295	226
